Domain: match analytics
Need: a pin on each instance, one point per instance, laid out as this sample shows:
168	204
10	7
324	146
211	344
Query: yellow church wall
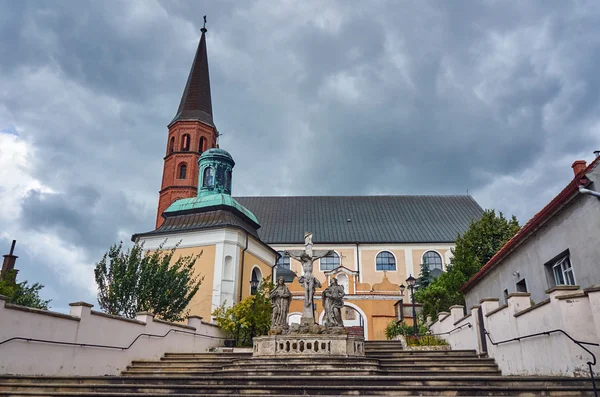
371	275
250	261
201	303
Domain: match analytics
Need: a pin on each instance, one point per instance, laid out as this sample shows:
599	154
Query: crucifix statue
307	280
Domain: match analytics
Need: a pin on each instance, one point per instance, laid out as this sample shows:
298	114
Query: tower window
228	180
329	262
202	146
208	178
385	261
186	143
182	171
172	144
434	260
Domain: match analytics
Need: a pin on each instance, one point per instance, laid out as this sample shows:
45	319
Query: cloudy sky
496	98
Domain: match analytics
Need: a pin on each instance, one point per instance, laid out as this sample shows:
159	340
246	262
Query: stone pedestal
308	345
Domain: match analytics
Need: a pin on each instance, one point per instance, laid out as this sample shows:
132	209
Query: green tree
473	249
425	276
22	293
251	315
132	282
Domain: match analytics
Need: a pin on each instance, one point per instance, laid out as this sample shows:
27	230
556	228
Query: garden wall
568	308
83	327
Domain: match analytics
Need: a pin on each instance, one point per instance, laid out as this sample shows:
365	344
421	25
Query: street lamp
253	288
399	306
411	281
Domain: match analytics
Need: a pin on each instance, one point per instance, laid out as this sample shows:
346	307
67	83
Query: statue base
308	344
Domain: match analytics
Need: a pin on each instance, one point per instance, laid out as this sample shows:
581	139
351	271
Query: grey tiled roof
373	219
197	220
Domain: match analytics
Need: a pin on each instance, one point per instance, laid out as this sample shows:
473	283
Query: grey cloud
449	97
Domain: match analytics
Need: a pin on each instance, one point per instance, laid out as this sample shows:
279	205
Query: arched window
228	180
172	144
284	261
385	261
182	171
208	179
185	145
257	277
202	146
329	262
434	260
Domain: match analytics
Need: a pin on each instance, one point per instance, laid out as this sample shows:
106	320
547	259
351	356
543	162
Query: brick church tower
191	132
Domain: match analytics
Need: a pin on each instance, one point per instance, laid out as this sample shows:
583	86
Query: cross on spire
203	30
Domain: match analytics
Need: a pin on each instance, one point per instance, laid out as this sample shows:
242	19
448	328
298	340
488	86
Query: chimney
578	166
9	260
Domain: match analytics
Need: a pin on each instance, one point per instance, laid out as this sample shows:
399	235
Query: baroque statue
333	302
307	280
280	302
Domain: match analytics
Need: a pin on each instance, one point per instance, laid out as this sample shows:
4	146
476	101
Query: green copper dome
214	186
210	201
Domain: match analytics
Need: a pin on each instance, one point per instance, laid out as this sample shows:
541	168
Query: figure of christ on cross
307	280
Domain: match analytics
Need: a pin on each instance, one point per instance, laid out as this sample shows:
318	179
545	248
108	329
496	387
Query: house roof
216	217
362	219
551	209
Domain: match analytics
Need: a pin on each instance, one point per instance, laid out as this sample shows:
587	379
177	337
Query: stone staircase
385	371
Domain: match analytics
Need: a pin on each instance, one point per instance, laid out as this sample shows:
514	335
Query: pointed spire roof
196	101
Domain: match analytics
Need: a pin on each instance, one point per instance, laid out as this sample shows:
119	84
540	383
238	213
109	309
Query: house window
202	147
329	262
385	261
284	261
208	178
186	143
433	259
182	171
563	272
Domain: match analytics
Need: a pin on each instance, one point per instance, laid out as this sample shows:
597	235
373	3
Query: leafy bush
395	328
425	340
251	315
22	293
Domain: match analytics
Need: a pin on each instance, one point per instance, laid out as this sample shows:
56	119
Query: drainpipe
357	265
590	192
242	274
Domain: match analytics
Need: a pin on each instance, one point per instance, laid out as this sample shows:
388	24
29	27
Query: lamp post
253	288
411	281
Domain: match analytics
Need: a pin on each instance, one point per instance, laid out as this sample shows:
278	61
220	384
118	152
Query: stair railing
54	342
452	330
547	333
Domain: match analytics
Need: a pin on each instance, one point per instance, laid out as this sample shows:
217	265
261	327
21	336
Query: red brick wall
172	187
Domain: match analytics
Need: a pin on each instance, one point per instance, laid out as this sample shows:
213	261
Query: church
375	242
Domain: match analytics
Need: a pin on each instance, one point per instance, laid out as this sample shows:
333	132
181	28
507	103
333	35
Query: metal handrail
452	330
106	346
546	333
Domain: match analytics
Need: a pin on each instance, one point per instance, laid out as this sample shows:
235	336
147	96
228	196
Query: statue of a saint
280	302
307	280
333	302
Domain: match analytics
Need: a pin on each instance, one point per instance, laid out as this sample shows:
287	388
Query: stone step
304	371
311	389
209	355
277	381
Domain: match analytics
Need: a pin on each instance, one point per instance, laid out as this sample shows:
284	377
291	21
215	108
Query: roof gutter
589	191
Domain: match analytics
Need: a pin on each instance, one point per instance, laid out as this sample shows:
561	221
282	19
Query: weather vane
204	26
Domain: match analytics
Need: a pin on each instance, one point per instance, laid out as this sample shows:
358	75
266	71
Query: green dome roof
213	200
216	152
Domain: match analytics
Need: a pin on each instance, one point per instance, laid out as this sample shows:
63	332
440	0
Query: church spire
196	101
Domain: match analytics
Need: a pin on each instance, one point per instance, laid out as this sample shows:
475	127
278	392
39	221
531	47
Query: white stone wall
575	311
85	326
